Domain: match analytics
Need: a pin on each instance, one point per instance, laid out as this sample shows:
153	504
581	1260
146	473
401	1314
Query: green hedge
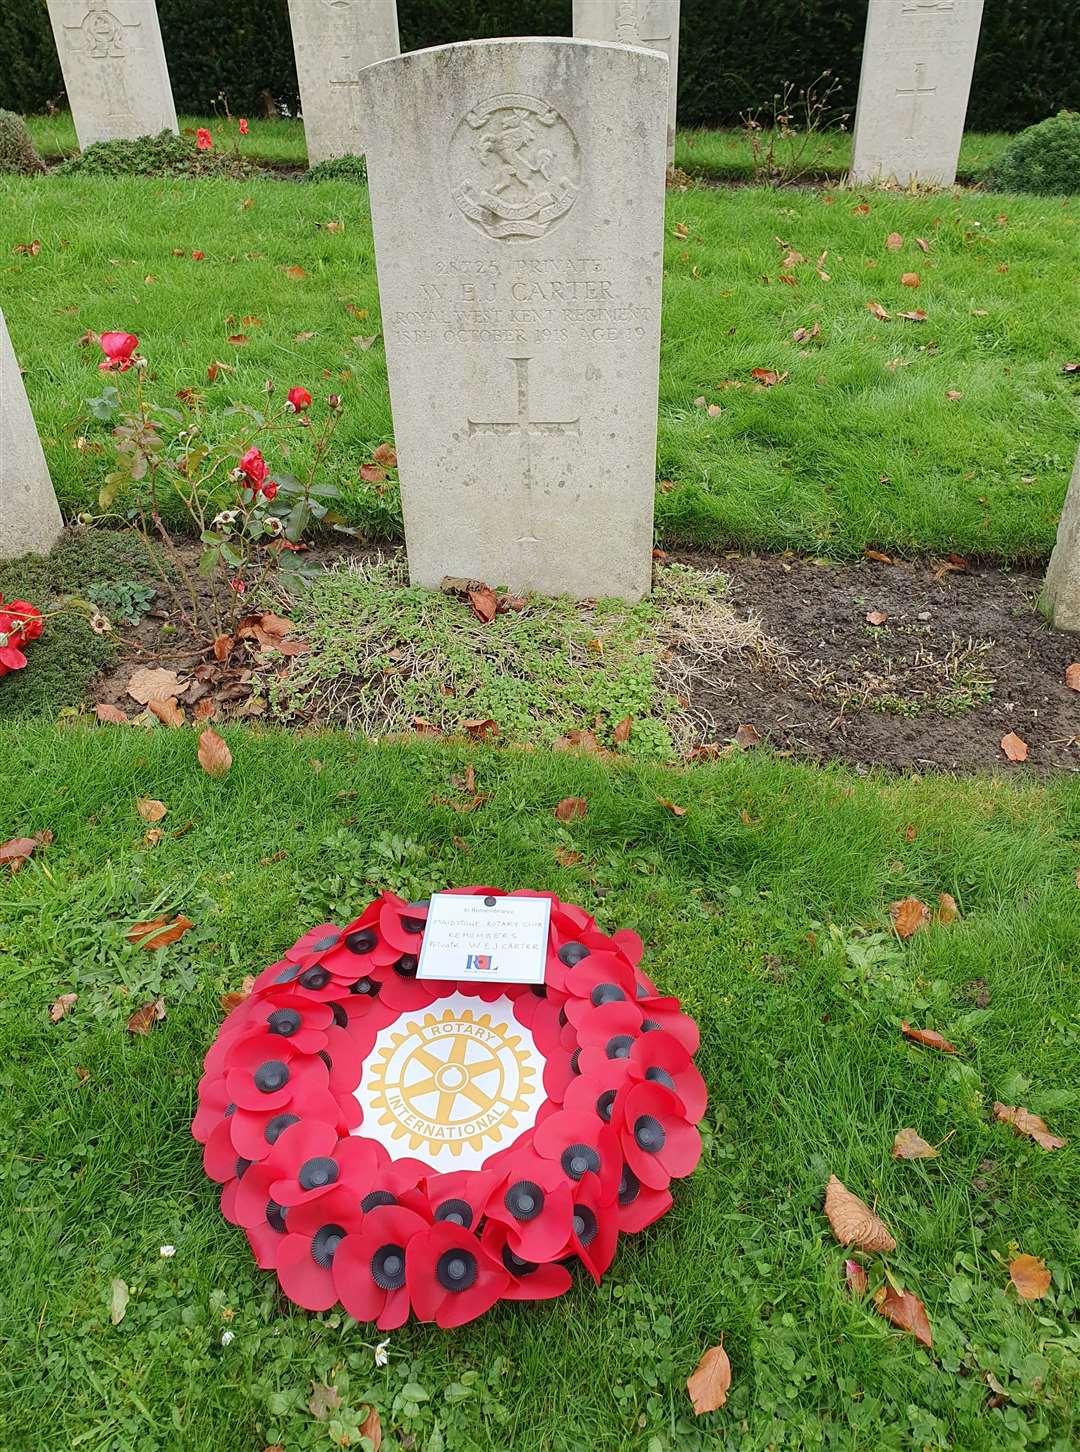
735	54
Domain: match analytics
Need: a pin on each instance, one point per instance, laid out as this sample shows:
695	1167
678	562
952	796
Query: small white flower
167	1252
274	525
226	518
227	1338
381	1354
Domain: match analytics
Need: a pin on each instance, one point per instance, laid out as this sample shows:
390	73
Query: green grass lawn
714	151
764	908
860	445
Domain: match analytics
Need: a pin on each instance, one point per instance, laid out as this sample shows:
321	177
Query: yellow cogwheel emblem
456	1082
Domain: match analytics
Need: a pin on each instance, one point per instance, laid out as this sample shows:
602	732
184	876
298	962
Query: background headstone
29	514
651	23
1061	593
114	68
517	197
333	41
918	56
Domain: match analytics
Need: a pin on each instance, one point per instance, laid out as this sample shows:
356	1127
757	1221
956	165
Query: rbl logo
478	963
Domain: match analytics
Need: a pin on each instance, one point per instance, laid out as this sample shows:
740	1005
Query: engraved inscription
916	90
915	7
634	28
348	89
515	167
101	35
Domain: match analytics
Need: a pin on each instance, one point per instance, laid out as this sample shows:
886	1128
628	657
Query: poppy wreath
616	1100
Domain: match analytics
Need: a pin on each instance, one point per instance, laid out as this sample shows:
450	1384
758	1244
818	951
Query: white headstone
29	514
918	56
517	197
1061	593
651	23
114	68
334	40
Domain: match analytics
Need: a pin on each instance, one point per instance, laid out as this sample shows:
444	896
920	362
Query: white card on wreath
484	940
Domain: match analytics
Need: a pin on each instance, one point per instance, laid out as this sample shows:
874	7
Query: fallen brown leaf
747	736
855	1278
385	454
295	272
1072	676
566	857
908	915
878	312
767	377
930	1038
480	729
159	932
876	617
947	910
676	810
484	604
571	807
106	712
148	684
922	244
149	809
215	758
579	741
894	241
910	1145
1024	1122
223	645
878	555
952	394
910	279
372	473
167	712
324	1399
63	1005
1014	747
152	837
16	850
803	335
371	1428
144	1019
852	1220
708	1384
904	1310
621	734
916	315
1031	1277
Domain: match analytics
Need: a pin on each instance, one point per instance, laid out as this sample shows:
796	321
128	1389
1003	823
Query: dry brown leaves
571	807
1014	747
567	857
928	1037
908	915
485	604
852	1220
15	851
894	241
621	734
855	1278
371	1428
904	1310
804	335
767	377
63	1006
675	810
708	1384
580	741
1024	1122
159	932
876	617
1030	1275
215	758
113	714
143	1019
910	1145
910	279
324	1400
947	909
271	632
149	809
747	736
1072	676
482	729
916	315
878	312
149	684
232	1000
167	712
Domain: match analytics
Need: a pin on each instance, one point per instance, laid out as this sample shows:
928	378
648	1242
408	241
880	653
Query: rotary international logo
515	167
456	1084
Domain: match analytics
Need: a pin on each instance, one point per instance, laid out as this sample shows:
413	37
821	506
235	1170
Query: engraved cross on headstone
524	424
632	28
352	83
915	91
914	6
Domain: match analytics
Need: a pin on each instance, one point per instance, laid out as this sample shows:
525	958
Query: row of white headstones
918	57
517	199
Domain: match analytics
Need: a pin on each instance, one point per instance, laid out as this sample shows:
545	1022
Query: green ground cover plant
956	432
1044	158
765	907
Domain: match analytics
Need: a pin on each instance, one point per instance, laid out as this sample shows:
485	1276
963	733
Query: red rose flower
118	348
269	489
243	126
297	400
253	468
203	140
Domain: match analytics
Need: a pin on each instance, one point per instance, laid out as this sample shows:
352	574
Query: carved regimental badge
515	167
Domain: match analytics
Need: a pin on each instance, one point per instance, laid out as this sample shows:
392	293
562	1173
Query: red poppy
265	1073
530	1280
197	256
594	1228
533	1201
658	1058
203	140
637	1205
297	1143
316	1233
582	1144
353	1162
451	1278
243	126
118	348
371	1267
657	1141
297	400
460	1195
